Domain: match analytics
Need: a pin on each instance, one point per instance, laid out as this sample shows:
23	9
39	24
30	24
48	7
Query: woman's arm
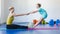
19	14
24	14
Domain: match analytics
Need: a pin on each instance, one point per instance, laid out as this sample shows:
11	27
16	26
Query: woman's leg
14	26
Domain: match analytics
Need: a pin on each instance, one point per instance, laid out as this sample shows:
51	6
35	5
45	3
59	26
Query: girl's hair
39	4
11	7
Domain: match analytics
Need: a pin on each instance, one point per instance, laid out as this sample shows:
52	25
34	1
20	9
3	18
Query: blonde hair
11	7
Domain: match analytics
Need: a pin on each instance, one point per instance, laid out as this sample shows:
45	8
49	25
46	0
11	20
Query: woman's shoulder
10	14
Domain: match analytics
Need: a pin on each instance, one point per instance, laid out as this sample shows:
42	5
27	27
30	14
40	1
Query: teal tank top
43	13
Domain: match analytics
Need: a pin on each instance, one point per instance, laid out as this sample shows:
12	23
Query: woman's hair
39	4
11	7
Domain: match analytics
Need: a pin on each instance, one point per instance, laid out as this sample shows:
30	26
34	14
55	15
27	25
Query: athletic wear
14	26
10	19
43	13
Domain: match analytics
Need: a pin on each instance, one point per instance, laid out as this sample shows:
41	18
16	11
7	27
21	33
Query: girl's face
37	6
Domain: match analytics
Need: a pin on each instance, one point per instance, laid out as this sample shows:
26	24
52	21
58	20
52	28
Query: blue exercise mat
3	30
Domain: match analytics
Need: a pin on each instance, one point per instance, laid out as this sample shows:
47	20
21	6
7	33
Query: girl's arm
33	12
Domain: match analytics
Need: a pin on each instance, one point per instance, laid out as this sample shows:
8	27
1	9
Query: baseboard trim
3	23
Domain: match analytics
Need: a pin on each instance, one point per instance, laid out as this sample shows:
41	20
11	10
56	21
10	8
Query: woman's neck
12	12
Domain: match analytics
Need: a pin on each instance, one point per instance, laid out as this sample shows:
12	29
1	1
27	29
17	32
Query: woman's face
12	10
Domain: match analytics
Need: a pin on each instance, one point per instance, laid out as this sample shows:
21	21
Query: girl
42	12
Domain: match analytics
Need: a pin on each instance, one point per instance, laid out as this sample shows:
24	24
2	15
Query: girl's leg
43	22
39	20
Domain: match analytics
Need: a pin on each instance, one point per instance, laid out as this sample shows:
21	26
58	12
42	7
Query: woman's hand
27	13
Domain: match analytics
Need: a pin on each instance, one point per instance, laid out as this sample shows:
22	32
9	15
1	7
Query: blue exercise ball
57	22
51	22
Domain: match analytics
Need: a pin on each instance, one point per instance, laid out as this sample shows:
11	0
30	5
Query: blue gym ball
51	22
57	22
